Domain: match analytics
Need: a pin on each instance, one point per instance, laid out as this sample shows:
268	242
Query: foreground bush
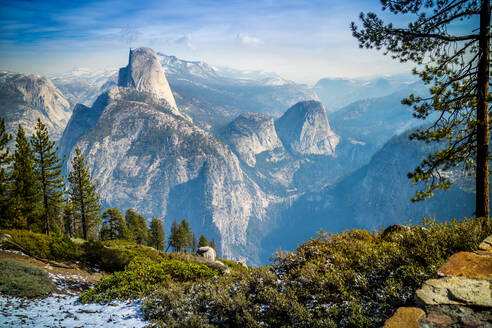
143	276
50	247
23	280
351	279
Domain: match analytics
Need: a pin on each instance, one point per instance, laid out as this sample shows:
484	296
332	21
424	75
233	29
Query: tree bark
482	176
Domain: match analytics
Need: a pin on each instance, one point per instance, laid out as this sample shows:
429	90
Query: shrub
352	279
23	280
43	246
142	276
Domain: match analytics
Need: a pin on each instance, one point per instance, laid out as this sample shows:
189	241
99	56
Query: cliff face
145	73
304	129
25	98
251	134
145	154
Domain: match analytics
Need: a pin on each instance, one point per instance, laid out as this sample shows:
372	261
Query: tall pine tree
156	234
181	238
83	195
114	225
24	194
137	225
450	41
4	163
48	168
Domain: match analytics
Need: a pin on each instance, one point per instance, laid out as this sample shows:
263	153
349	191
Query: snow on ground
62	310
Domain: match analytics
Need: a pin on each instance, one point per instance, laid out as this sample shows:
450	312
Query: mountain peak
304	128
144	73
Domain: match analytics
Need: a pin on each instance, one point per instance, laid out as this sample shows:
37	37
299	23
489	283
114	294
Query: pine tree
456	61
137	226
156	234
114	225
83	195
69	228
213	245
48	168
194	242
24	196
186	235
5	160
181	238
203	241
173	241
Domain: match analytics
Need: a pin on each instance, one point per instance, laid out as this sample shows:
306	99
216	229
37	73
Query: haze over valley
251	159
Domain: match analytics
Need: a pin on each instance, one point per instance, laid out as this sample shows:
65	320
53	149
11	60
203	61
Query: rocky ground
62	309
460	296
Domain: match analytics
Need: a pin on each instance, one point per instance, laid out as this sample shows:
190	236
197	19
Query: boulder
466	264
207	253
456	290
437	320
405	317
486	245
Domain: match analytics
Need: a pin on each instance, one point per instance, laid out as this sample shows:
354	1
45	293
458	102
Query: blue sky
300	40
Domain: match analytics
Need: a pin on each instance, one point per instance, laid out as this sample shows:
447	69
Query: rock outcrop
304	129
461	297
207	252
251	134
145	73
146	155
25	98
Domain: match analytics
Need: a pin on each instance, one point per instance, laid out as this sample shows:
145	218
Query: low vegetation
351	279
143	276
43	246
23	280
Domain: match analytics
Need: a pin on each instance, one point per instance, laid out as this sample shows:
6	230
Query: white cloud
186	41
248	40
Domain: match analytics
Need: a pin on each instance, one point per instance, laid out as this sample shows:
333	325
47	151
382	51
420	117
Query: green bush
50	247
142	276
23	280
352	279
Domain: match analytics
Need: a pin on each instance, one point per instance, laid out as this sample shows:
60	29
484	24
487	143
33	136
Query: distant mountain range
250	159
337	93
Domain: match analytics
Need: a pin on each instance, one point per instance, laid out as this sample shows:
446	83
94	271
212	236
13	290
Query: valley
246	161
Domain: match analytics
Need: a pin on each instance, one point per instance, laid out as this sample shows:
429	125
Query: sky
300	40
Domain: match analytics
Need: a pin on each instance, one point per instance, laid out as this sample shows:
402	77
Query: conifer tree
450	40
24	194
203	241
137	226
186	235
48	168
4	163
213	245
181	238
83	195
194	243
114	225
174	241
156	234
69	226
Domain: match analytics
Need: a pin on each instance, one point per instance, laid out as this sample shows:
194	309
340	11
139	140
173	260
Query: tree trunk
482	176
